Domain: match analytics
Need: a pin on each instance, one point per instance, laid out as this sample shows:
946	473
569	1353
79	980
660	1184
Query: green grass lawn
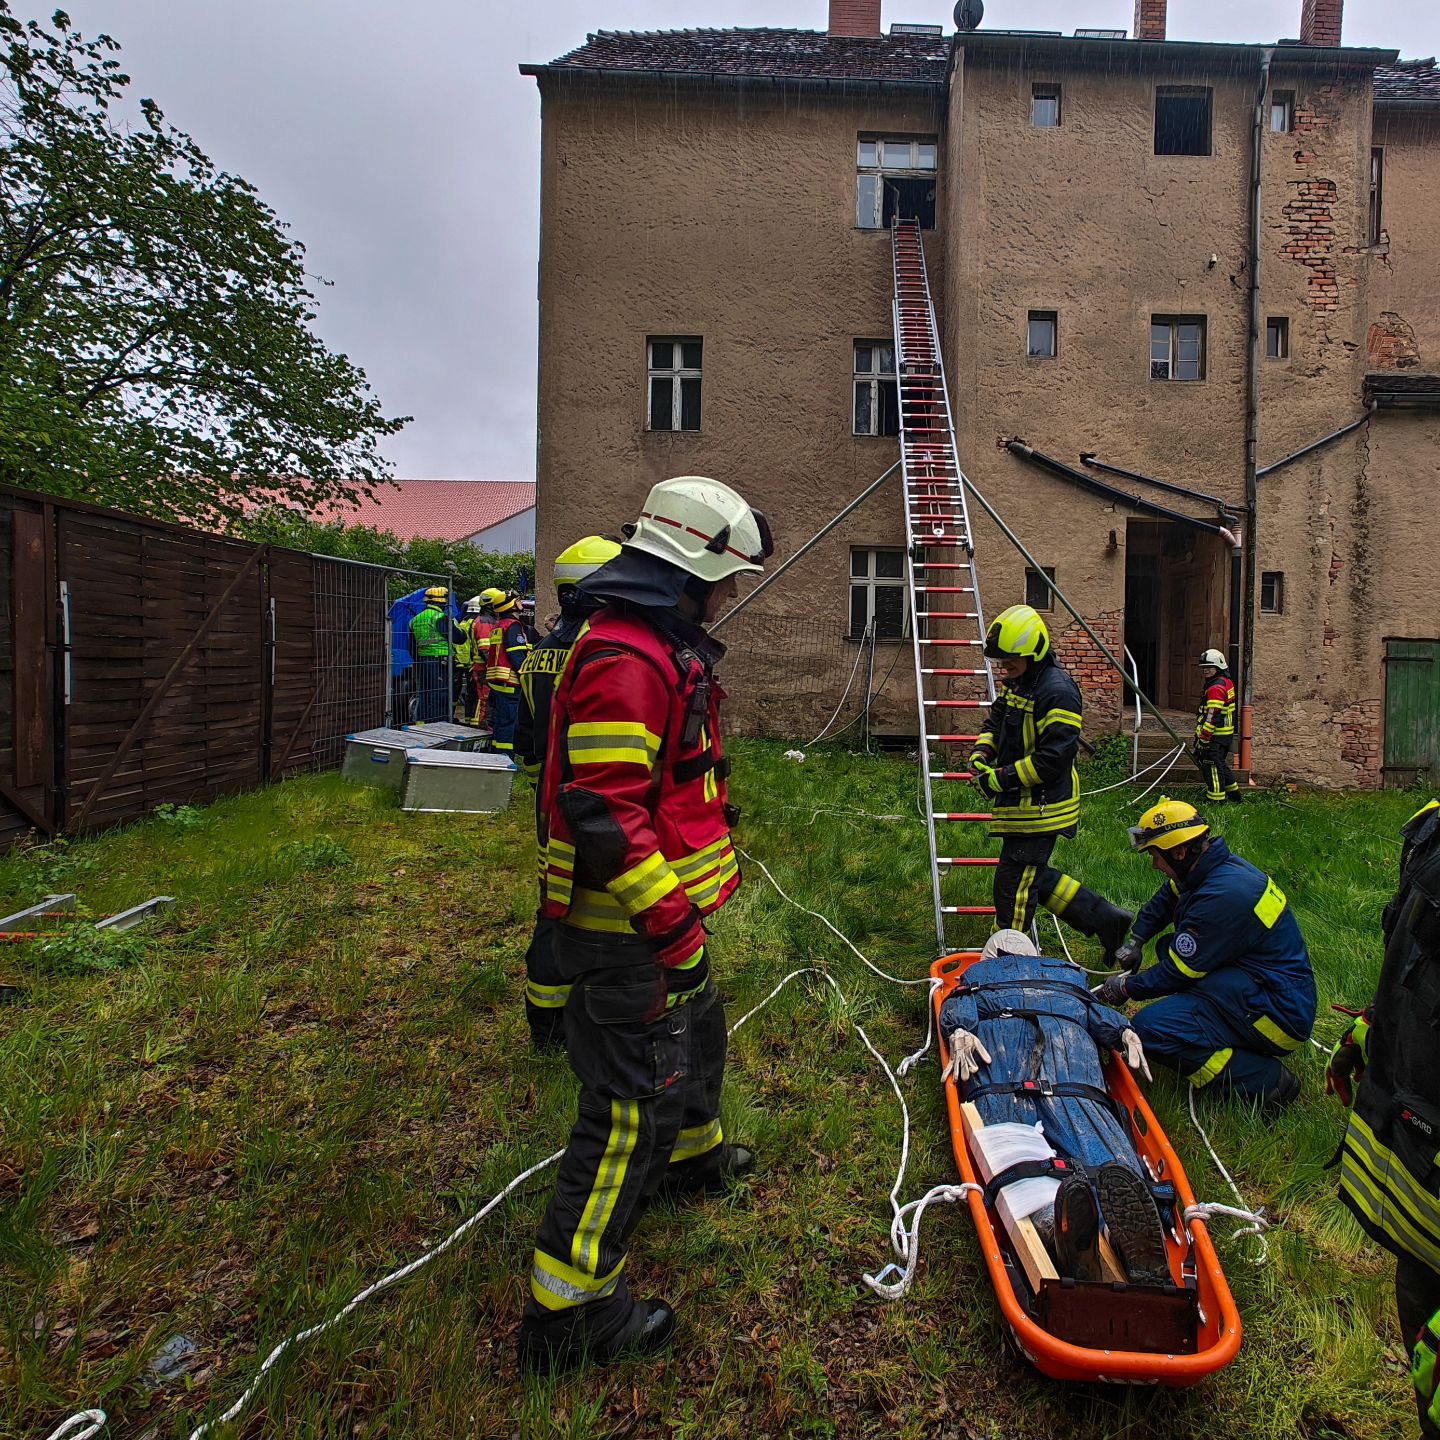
318	1064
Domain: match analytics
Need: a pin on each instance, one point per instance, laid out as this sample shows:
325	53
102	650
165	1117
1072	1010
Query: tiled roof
1408	80
789	54
1388	389
437	509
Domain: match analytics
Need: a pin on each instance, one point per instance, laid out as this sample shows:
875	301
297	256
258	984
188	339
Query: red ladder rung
966	859
967	909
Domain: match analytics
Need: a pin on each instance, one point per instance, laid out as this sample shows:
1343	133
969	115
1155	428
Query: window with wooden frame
674	382
1277	337
1377	194
1177	347
895	176
877	399
1272	592
1282	111
877	593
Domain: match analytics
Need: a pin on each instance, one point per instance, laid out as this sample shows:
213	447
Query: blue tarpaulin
402	612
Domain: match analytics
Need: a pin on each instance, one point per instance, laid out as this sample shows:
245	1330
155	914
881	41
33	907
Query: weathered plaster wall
1403	311
729	216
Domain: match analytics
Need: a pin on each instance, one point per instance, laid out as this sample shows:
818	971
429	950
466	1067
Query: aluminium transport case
451	781
444	735
377	757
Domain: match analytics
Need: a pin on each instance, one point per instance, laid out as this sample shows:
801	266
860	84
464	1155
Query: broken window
1377	185
877	400
1272	592
1282	111
1039	595
1277	337
674	374
1177	347
1042	341
895	178
1182	120
877	593
1045	106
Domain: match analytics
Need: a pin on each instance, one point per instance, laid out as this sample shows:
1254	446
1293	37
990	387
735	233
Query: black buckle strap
1056	1167
1047	1090
1077	990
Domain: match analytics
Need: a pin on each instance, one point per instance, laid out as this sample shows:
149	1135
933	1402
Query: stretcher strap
1054	1166
1043	1090
1077	991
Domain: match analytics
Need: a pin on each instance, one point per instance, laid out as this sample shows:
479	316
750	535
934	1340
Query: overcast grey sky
403	147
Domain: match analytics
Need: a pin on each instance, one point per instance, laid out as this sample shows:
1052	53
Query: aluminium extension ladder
947	618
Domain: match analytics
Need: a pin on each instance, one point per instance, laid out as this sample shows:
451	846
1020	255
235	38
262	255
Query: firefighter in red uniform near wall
510	642
1215	728
635	829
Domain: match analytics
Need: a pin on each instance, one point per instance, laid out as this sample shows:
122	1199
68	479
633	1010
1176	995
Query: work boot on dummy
1133	1224
1077	1230
555	1347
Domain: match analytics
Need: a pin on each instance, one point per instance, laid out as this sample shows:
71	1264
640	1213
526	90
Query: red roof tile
792	54
437	509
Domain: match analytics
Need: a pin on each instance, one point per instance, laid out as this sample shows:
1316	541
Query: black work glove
1112	992
1130	956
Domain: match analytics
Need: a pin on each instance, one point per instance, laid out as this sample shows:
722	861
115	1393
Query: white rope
1258	1224
1174	760
859	655
816	810
906	1243
66	1430
1171	755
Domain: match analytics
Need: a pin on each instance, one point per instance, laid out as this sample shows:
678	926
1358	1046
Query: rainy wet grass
317	1065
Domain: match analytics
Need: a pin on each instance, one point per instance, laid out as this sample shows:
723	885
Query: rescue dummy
1024	1035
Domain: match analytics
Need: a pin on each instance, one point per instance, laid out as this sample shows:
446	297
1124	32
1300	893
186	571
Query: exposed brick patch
1310	218
1391	343
1320	21
855	17
1336	566
1360	743
1100	686
1150	19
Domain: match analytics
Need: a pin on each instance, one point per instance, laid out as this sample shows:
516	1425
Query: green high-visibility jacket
430	633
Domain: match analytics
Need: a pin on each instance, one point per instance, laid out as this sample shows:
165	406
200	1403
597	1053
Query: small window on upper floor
1377	194
1039	595
1045	106
1182	120
1272	592
877	400
674	376
1043	335
895	177
1277	338
1282	111
1177	347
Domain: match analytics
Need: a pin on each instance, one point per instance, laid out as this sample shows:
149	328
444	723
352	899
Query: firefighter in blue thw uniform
1233	988
1024	762
1215	729
1387	1069
545	988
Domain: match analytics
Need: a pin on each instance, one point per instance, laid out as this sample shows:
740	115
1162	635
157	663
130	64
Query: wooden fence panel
26	672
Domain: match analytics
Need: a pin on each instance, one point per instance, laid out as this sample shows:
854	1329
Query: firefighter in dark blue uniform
1387	1068
1233	988
545	989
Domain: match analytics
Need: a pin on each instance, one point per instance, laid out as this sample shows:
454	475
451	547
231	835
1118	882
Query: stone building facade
715	298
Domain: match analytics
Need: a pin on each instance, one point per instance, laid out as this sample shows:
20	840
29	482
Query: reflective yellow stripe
984	738
1379	1207
597	910
1182	967
1275	1035
547	997
611	742
609	1177
642	885
704	890
1034	820
1025	771
695	1140
1022	896
1420	1207
1270	905
1211	1068
1423	1367
558	1286
1064	892
1059	717
688	866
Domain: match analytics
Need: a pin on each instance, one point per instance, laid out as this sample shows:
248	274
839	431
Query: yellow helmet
1168	824
502	602
1017	633
437	594
583	558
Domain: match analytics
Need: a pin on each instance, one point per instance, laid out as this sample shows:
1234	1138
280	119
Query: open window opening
895	179
1182	120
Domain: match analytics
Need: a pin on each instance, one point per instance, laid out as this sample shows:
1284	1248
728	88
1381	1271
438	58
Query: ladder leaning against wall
953	679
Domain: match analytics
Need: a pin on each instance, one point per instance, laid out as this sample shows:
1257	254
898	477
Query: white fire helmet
703	527
1215	658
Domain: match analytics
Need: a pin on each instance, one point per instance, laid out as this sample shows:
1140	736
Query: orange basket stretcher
1199	1314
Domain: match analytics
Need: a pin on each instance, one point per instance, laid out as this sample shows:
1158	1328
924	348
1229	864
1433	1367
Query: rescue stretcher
1111	1333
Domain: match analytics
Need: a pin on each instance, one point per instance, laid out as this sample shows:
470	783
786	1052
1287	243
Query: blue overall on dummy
1039	1021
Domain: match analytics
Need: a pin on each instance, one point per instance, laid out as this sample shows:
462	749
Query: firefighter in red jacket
1215	728
510	642
635	829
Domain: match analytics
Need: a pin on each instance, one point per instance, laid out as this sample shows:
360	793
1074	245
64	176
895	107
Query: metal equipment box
451	737
377	757
456	782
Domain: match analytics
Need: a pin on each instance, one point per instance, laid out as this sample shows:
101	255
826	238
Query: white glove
1134	1053
964	1048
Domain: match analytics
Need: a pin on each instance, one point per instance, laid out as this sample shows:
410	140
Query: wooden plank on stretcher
1030	1249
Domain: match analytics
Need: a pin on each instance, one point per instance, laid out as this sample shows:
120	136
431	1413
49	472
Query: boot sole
1134	1225
1077	1233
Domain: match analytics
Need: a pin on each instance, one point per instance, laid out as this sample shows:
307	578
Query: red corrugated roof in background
436	509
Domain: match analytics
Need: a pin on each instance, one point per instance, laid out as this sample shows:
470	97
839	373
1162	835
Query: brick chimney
1150	19
1320	22
855	17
